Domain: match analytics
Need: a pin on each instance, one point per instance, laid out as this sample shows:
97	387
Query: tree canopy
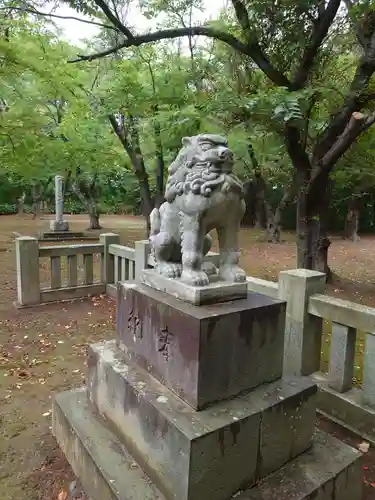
290	83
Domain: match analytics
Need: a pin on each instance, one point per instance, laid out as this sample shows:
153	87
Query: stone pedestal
189	403
204	354
59	226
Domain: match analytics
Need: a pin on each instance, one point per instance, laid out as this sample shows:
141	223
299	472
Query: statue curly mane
198	171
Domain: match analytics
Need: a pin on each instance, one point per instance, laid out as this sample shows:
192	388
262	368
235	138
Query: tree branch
358	124
114	20
319	33
352	103
254	49
169	34
31	10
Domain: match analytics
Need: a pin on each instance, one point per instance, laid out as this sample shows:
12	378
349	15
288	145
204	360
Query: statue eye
205	146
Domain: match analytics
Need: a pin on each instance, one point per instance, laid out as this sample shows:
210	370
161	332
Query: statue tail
154	222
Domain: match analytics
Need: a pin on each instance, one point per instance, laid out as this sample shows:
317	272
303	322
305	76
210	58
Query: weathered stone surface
65	235
342	354
347	408
216	291
329	470
59	225
303	332
208	454
202	194
207	353
28	281
106	470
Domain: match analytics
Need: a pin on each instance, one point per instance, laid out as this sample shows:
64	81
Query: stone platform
217	291
251	435
207	353
329	470
64	235
189	403
59	226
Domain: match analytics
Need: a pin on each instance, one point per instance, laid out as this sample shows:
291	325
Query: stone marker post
108	260
303	332
28	284
59	224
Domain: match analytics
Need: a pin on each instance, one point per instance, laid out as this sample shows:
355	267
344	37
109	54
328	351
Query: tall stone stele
189	402
59	225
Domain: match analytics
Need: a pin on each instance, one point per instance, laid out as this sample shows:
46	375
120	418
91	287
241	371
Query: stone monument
59	228
59	225
189	401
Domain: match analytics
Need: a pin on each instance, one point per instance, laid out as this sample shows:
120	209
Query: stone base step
65	235
216	450
330	470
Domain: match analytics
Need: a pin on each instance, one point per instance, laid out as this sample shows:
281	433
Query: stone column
303	332
59	224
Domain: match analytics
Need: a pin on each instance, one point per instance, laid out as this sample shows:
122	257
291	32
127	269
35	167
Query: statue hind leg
229	248
165	240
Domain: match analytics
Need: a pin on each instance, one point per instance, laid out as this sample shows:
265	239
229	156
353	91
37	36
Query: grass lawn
43	349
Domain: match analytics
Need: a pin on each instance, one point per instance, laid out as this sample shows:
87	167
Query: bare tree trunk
35	206
93	215
312	239
127	132
352	220
21	204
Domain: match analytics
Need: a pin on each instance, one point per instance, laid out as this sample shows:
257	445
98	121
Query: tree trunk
21	204
274	225
159	160
93	216
312	240
127	131
352	221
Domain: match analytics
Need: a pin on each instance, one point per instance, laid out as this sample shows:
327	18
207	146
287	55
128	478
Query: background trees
290	83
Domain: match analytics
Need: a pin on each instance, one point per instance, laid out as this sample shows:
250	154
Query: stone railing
74	261
307	307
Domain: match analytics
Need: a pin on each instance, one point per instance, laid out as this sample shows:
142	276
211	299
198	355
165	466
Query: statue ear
186	141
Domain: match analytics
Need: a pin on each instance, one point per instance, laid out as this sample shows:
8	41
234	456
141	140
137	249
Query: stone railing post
108	263
303	332
28	282
141	256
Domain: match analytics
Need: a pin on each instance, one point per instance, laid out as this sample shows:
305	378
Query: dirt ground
43	349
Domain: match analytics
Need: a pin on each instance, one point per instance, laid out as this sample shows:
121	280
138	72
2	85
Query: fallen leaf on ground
364	447
63	495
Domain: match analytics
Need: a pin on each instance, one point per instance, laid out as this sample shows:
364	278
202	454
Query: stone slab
329	470
59	226
217	291
200	454
106	470
207	353
347	409
65	235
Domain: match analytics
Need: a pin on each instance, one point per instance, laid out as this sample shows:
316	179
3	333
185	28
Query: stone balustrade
307	307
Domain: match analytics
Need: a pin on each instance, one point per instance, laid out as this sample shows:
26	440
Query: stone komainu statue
201	194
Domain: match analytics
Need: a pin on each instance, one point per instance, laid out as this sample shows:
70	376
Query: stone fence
303	290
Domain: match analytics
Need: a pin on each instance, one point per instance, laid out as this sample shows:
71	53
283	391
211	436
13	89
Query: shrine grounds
43	349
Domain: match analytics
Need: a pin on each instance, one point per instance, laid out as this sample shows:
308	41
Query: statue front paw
232	273
170	269
195	278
